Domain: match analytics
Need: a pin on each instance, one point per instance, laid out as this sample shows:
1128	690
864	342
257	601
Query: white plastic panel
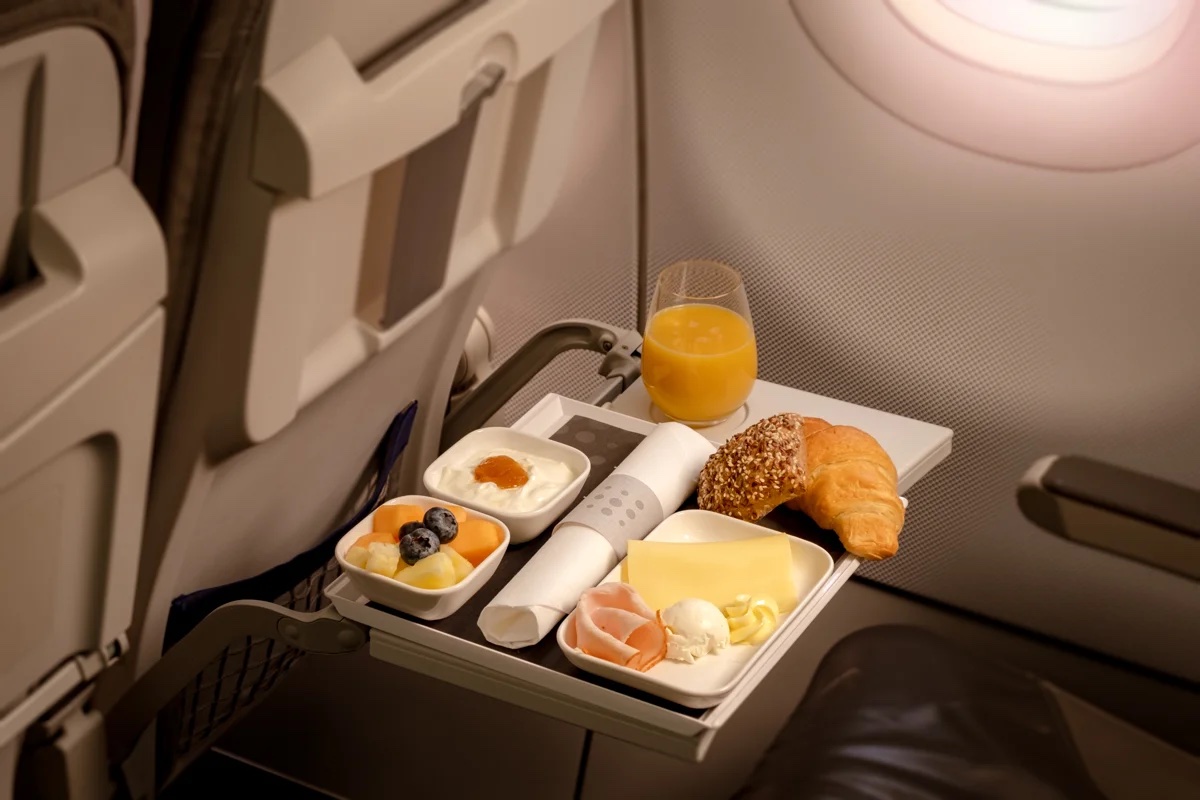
103	267
543	124
59	523
321	125
94	244
72	491
40	151
56	100
308	293
79	359
373	27
18	81
309	326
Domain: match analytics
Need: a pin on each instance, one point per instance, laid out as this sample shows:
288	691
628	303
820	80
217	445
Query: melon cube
383	559
460	513
390	518
476	539
380	537
434	572
462	567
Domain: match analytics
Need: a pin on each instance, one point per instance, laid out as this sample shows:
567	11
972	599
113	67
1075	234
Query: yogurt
546	479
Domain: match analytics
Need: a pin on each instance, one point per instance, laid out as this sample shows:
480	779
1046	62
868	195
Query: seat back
356	168
82	271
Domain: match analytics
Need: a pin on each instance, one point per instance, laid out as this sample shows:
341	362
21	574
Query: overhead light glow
1062	41
1058	106
1070	23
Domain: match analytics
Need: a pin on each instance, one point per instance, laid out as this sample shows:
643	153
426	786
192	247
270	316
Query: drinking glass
699	357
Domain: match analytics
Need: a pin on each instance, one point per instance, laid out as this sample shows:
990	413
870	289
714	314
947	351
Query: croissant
851	489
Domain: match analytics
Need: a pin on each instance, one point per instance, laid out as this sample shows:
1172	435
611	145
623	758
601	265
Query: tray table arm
621	365
323	631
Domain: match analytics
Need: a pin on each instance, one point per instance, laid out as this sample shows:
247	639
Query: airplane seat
331	182
897	711
82	271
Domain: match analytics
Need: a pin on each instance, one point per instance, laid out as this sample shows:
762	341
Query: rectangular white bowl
428	604
523	525
705	683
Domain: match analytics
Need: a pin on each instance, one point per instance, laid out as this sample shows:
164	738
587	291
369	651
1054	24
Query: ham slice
613	623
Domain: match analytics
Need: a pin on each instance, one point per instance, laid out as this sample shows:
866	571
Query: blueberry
409	527
419	544
442	523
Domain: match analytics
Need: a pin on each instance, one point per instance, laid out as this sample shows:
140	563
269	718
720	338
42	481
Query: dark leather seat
897	712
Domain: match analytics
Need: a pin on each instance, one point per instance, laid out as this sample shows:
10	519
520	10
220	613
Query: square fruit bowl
525	525
477	533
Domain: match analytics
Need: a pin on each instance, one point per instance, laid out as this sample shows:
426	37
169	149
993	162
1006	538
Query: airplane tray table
540	677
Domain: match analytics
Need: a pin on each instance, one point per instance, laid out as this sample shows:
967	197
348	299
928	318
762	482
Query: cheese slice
664	573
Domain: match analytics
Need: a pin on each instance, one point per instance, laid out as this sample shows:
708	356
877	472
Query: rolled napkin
651	483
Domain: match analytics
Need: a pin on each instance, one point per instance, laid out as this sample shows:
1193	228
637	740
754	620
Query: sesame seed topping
757	469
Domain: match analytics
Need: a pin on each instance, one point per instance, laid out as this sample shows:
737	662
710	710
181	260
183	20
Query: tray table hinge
326	632
622	365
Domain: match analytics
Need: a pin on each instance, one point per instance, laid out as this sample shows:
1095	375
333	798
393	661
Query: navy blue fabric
188	610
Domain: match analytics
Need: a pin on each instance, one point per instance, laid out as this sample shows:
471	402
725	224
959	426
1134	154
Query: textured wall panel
1032	311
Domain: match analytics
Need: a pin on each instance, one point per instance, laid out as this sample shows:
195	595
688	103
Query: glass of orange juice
699	357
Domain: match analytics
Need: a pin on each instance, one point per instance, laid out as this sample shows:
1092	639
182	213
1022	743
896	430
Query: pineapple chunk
383	559
357	556
434	572
462	567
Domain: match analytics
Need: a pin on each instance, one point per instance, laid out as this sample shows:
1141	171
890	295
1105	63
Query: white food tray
541	678
709	680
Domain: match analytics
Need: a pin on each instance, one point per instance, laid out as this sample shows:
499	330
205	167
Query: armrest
1118	510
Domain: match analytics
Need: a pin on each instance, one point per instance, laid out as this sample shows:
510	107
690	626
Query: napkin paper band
619	509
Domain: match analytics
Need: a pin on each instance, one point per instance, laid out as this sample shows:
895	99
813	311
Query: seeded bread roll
757	469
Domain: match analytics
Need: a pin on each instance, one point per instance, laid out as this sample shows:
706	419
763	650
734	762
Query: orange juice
699	361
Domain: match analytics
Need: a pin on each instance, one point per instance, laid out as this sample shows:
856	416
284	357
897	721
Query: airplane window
1073	23
1064	41
1065	84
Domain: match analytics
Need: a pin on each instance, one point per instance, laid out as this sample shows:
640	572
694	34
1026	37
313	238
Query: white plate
428	604
524	525
704	683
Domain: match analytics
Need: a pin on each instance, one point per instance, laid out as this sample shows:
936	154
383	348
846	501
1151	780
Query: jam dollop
503	471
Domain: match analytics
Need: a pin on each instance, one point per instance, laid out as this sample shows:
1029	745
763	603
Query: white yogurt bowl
526	524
